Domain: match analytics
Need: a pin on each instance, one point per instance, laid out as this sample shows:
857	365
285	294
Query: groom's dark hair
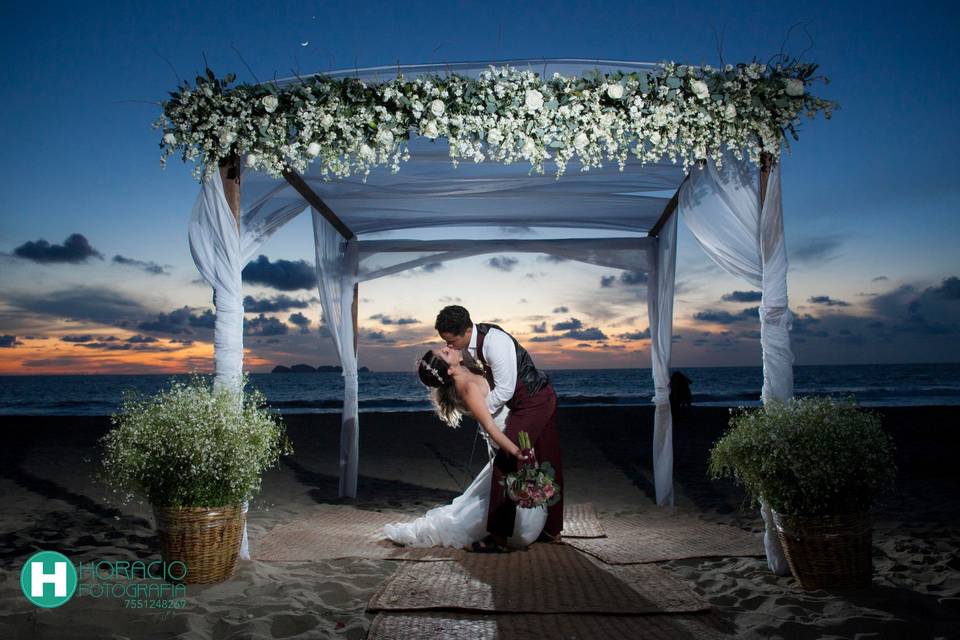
453	319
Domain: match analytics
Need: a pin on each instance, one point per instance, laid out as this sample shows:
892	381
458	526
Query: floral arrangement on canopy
681	112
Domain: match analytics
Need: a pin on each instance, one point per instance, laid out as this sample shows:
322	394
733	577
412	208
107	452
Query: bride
458	389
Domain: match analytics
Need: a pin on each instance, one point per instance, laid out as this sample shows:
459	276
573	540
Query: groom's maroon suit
533	408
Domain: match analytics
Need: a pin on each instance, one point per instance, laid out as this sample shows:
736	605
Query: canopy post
230	176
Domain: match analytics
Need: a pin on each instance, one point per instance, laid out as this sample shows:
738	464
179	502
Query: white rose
700	89
366	153
529	147
615	91
437	108
326	120
655	138
730	112
270	103
606	120
534	100
227	137
494	136
169	138
581	141
430	130
794	87
385	137
252	159
313	150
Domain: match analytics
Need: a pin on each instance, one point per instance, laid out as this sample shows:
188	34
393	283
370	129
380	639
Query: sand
409	462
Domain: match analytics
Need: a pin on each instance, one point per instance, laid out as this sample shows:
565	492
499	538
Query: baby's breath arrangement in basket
197	456
819	463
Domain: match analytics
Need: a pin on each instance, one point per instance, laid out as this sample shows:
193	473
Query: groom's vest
527	374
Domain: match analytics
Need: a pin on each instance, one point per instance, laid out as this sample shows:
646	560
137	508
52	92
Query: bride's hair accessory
433	370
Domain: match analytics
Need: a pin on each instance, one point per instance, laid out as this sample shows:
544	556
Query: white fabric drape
221	250
660	310
722	209
337	275
341	264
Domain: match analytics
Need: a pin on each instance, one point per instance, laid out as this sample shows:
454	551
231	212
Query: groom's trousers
537	415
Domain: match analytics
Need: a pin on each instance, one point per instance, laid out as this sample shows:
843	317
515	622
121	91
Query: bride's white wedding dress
464	521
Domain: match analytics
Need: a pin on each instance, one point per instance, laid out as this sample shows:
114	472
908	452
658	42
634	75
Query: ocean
871	385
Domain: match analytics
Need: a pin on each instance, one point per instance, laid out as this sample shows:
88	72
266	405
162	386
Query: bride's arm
476	403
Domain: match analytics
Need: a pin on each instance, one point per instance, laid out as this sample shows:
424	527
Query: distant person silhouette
680	396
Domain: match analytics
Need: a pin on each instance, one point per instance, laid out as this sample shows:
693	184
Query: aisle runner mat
655	538
546	578
443	625
580	521
336	531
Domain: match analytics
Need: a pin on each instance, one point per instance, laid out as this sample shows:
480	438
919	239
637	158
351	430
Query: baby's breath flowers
347	126
190	446
810	457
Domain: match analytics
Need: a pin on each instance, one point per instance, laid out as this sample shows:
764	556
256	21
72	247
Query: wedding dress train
464	521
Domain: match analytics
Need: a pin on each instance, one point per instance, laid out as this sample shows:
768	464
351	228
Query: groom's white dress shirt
501	356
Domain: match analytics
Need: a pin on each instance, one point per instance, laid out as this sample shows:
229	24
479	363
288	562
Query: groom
515	382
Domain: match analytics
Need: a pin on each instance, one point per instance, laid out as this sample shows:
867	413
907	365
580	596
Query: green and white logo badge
48	579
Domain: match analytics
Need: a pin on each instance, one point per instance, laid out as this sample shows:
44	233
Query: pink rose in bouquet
533	484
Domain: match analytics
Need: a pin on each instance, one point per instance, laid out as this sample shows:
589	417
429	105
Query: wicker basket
827	552
206	539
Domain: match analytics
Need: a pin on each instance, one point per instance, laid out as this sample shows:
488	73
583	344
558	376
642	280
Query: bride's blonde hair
446	402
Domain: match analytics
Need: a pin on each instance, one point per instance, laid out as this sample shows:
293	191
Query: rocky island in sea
306	368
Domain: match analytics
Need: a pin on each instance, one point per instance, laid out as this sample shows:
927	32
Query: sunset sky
95	269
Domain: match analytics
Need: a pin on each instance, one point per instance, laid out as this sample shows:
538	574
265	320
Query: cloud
545	338
449	300
816	250
742	296
635	335
85	337
378	336
264	325
8	342
284	275
94	304
561	310
387	320
430	267
592	333
949	289
719	316
301	321
75	249
568	325
607	282
808	326
828	301
633	278
179	321
880	279
502	263
553	259
138	339
279	302
539	328
150	267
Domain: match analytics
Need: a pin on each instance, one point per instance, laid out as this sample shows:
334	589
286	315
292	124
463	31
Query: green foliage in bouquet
190	446
810	457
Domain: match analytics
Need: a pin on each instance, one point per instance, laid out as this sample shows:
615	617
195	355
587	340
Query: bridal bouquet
533	484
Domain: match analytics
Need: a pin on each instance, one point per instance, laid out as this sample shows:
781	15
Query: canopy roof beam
668	211
297	182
